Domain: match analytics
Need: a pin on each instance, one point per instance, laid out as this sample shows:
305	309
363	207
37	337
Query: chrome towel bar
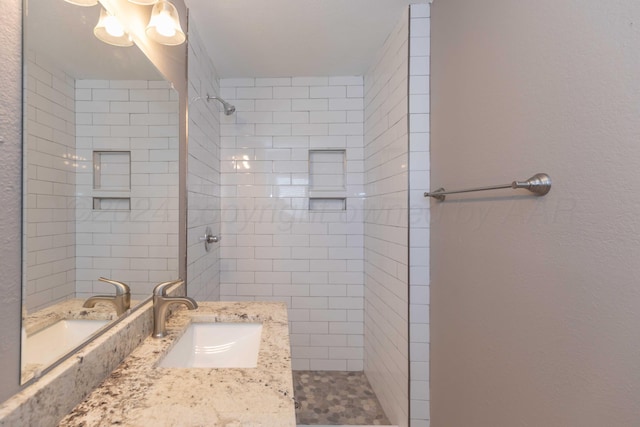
539	184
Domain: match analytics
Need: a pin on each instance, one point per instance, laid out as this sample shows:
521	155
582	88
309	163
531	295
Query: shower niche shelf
111	180
111	204
327	180
327	204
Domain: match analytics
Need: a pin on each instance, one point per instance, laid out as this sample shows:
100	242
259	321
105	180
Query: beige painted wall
536	301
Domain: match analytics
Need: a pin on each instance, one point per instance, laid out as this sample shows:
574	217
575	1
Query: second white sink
216	345
46	346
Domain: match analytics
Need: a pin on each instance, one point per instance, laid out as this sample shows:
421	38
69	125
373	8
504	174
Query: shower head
228	108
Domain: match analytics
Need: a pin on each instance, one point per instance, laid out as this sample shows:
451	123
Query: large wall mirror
100	187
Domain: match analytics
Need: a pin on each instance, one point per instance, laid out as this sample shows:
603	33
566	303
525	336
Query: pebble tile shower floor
336	398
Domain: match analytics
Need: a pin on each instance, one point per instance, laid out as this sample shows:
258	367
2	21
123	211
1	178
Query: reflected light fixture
164	25
85	3
110	30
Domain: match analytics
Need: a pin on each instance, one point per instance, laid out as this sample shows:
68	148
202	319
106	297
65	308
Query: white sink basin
216	345
47	345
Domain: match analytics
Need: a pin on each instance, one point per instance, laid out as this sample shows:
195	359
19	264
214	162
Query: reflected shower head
228	108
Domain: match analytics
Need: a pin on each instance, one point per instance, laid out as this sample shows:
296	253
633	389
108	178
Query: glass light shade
83	2
144	2
164	25
110	30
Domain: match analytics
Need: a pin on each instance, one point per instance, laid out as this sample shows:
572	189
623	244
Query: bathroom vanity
137	392
140	393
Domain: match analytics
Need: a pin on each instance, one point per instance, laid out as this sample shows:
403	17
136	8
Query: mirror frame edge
11	82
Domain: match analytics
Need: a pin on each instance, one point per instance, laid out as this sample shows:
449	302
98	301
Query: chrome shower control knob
209	238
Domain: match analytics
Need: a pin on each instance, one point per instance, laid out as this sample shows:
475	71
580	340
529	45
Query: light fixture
85	3
110	30
143	2
164	25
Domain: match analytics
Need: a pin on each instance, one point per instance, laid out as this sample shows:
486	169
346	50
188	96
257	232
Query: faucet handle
161	288
121	288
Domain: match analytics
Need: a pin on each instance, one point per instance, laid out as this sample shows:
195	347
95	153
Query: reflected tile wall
50	162
203	173
139	245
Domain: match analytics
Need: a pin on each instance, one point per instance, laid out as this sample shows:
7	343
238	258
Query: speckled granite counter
51	397
138	394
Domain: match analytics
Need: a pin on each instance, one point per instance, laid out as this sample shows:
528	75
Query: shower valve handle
209	238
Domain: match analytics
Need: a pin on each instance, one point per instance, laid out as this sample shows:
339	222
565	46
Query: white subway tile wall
138	246
419	160
386	150
274	247
49	159
203	173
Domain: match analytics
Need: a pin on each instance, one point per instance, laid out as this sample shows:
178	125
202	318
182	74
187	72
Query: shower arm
228	108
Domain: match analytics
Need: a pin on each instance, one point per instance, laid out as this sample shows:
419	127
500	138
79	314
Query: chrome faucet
122	299
161	303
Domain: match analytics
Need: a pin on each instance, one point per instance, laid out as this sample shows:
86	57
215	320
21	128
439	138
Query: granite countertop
138	394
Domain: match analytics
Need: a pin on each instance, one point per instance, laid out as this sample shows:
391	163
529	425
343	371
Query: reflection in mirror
100	180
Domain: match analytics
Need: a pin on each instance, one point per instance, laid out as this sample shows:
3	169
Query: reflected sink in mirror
47	345
216	345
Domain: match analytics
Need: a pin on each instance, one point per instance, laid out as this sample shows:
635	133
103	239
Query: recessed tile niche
327	179
112	170
112	180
